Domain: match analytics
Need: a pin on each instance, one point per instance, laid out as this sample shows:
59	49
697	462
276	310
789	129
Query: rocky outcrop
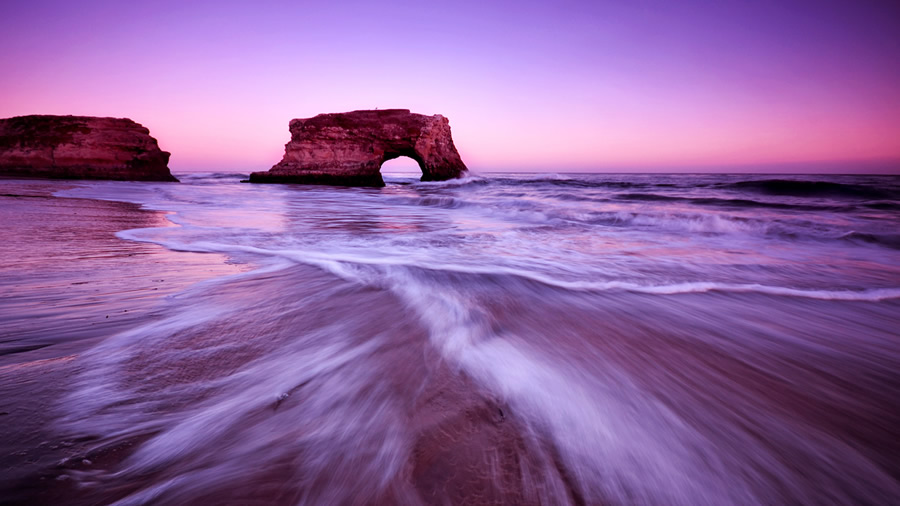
348	148
80	147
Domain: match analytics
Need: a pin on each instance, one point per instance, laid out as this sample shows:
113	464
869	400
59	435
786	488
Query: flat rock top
45	129
80	147
364	119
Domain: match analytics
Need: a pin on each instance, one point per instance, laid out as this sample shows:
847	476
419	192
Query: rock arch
349	148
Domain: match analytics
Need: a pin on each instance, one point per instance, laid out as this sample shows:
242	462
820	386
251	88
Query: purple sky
556	86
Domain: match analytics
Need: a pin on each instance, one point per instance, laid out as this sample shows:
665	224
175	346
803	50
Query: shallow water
615	339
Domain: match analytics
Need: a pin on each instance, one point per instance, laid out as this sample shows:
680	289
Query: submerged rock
348	148
80	147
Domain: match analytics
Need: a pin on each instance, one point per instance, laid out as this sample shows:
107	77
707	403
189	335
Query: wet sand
467	446
67	283
315	381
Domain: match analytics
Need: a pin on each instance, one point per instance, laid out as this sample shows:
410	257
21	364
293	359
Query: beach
502	339
75	284
68	282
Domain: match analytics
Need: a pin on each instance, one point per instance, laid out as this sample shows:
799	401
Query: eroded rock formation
349	148
80	147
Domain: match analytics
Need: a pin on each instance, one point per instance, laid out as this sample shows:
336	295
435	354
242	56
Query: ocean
502	338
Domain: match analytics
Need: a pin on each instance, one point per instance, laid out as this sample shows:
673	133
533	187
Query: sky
645	86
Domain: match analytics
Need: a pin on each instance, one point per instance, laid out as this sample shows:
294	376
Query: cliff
348	148
80	147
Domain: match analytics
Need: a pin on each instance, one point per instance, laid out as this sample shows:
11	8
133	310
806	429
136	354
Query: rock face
80	147
348	148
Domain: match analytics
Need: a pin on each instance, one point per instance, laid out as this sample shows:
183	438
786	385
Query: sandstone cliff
349	148
80	147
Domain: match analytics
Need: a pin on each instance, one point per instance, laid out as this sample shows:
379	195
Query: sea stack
80	147
347	149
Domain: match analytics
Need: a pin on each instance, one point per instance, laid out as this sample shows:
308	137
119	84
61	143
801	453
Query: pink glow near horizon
527	86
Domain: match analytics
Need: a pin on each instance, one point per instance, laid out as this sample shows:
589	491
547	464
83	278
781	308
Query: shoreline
70	283
453	421
385	381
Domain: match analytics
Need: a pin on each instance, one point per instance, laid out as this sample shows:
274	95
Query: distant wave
883	205
573	181
771	187
551	179
217	177
469	179
799	188
440	201
887	240
726	202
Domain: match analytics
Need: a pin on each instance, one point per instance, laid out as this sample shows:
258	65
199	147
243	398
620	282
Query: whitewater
506	338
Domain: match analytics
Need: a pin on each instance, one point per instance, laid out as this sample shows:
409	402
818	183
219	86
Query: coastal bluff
348	149
80	147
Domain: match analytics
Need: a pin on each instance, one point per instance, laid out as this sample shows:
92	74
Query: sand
66	283
55	306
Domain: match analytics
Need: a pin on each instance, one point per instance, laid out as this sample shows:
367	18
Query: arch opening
401	166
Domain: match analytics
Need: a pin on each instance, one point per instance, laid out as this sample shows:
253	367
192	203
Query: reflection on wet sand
68	282
556	340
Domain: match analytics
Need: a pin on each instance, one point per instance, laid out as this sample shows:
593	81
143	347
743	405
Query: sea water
565	338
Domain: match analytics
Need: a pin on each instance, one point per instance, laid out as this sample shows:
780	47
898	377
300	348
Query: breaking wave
584	339
805	188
